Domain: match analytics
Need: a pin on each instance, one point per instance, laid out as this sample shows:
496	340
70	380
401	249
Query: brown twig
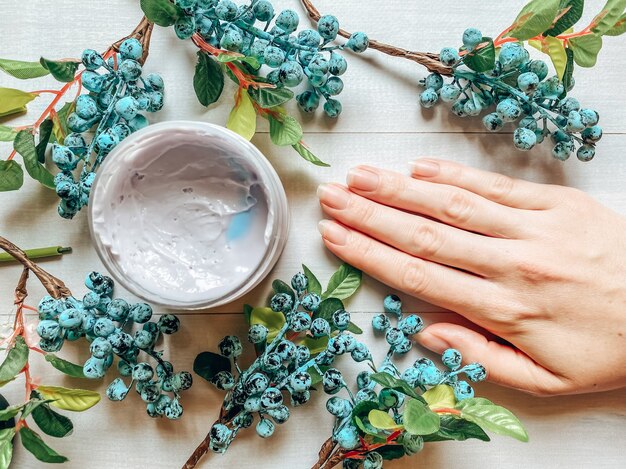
427	59
143	33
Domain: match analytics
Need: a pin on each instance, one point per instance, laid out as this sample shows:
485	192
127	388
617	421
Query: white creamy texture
185	219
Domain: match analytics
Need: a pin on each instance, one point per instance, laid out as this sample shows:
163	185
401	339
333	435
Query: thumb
505	365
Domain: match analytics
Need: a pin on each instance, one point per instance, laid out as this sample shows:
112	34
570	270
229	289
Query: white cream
185	215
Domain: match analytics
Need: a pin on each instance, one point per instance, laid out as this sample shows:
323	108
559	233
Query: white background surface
381	124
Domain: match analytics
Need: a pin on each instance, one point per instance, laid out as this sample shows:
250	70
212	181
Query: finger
452	205
435	283
492	186
413	234
505	365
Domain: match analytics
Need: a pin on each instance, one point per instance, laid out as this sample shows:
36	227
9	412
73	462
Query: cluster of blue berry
104	321
284	364
291	57
116	98
522	93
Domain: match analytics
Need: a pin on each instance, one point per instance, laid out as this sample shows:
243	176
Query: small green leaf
33	443
10	412
367	429
493	417
24	144
361	412
315	345
308	155
15	361
242	119
76	400
32	405
208	79
354	328
573	11
314	284
553	47
61	70
618	28
483	59
226	57
343	283
14	101
586	49
209	364
270	97
535	18
389	381
569	72
440	396
11	175
284	130
271	319
6	447
608	17
247	311
316	376
418	419
161	12
7	134
52	423
69	368
327	307
23	70
60	129
390	452
453	428
45	132
382	420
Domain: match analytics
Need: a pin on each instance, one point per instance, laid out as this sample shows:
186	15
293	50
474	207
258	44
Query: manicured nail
432	342
333	232
425	168
363	179
333	196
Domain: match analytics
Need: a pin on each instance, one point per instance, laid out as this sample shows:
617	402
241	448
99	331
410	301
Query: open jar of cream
188	215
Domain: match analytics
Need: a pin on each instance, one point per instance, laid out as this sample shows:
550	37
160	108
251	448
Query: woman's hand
542	266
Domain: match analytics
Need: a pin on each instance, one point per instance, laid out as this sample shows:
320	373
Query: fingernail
424	168
333	232
363	179
432	342
333	196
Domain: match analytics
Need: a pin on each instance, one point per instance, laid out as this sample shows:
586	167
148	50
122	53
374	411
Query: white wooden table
381	124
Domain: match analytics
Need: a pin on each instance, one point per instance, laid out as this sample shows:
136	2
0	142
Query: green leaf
52	423
208	79
569	72
618	28
314	284
440	396
569	13
456	429
61	70
343	283
316	376
23	70
360	415
389	381
69	368
315	345
281	287
308	155
327	307
10	412
32	405
284	130
14	101
270	97
586	49
242	119
366	428
161	12
11	175
76	400
24	144
271	319
247	311
418	419
15	361
4	383
33	443
209	364
382	420
60	129
493	417
483	59
354	328
606	19
7	134
389	452
553	47
6	447
45	131
535	18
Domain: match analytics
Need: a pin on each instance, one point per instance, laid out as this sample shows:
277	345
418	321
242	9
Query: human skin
541	266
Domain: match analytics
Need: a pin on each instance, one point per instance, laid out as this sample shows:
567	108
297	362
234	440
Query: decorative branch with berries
106	323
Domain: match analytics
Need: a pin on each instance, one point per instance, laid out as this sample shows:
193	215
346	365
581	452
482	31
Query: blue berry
94	368
411	324
92	81
279	414
341	319
173	410
223	380
539	68
48	329
118	309
71	318
281	303
142	372
589	117
106	141
333	86
358	42
290	73
130	70
131	49
168	324
117	390
64	158
380	322
230	346
339	407
226	10
451	358
360	352
393	304
574	122
493	122
287	20
265	428
140	313
592	134
434	81
463	390
263	10
299	282
568	105
320	327
103	327
100	347
256	383
127	107
309	38
300	381
449	56
332	380
509	109
220	433
586	152
528	82
430	375
471	38
300	321
403	346
449	93
348	438
143	339
86	107
51	345
257	333
231	40
92	60
328	27
120	341
373	460
138	122
512	55
524	139
332	108
311	302
475	372
271	398
337	65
